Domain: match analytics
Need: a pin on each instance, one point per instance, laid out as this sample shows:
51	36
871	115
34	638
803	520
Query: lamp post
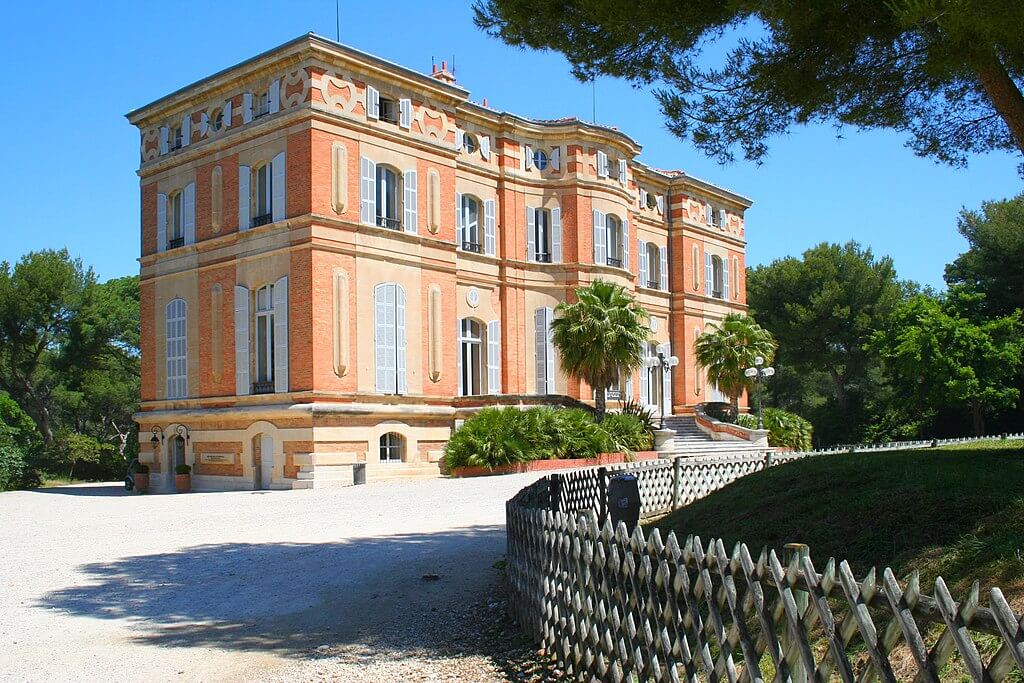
759	373
665	364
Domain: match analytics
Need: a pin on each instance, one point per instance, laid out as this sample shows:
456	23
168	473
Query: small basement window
392	447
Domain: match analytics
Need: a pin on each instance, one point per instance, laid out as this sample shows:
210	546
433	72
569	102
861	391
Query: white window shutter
666	398
723	222
368	192
622	171
460	140
540	334
384	337
241	341
663	267
485	147
186	130
176	349
165	137
244	179
643	198
527	157
460	221
493	357
274	96
600	239
188	213
556	158
246	107
281	335
625	243
405	113
161	221
708	214
227	114
602	164
556	235
411	210
645	394
400	342
531	234
725	278
708	274
490	228
278	188
660	200
204	124
642	262
549	348
372	103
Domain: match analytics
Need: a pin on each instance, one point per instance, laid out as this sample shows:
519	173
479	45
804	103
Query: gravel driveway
99	585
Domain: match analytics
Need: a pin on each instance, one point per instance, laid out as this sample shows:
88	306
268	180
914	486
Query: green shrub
627	433
503	436
495	437
721	411
785	429
642	413
182	469
14	471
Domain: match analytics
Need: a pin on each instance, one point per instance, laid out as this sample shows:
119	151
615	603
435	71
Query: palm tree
731	348
600	336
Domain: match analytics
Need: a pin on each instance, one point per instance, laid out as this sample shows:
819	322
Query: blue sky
69	156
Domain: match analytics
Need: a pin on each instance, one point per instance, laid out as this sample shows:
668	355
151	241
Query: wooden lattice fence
616	606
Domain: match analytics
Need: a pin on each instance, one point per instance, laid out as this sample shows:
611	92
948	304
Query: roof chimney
443	74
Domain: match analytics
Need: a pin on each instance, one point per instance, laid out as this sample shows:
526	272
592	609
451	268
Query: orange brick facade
326	410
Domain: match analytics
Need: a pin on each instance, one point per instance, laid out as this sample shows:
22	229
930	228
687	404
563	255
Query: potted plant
183	478
142	478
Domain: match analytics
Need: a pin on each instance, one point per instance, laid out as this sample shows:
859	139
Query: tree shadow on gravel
402	591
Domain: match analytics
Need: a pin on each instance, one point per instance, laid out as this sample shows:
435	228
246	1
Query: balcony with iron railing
175	242
389	223
263	387
262	219
471	246
614	262
653	284
543	257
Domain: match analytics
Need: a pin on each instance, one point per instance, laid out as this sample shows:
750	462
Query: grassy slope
957	512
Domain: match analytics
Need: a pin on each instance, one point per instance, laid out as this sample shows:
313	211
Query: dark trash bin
624	500
359	473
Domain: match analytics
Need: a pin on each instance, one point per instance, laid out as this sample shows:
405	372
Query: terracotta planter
142	482
183	483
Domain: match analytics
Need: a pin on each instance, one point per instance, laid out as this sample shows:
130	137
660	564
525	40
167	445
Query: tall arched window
471	358
542	235
653	265
717	278
471	237
177	361
264	340
389	338
388	198
392	447
653	383
613	226
262	195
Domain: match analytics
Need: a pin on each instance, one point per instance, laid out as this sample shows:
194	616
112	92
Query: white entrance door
266	461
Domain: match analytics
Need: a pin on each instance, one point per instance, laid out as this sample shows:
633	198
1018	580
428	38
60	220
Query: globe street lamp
665	364
759	374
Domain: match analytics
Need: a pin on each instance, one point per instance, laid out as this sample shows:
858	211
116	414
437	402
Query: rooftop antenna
337	19
593	94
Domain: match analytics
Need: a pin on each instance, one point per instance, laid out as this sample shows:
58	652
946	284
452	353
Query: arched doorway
263	468
175	457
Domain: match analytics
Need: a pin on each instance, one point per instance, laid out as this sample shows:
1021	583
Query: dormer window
217	120
652	200
176	138
262	105
388	110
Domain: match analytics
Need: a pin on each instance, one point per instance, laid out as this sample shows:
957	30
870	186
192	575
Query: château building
343	257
